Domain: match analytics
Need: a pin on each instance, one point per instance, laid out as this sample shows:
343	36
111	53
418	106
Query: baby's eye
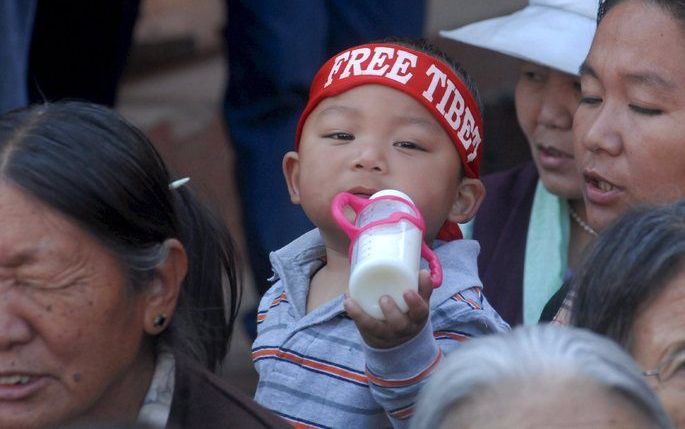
339	136
408	145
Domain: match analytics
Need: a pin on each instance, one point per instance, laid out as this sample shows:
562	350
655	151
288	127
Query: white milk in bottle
385	258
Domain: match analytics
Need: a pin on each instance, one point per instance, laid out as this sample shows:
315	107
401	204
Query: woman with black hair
118	291
629	126
631	288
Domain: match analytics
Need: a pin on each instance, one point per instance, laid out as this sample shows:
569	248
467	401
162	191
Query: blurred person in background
531	226
80	48
16	25
74	49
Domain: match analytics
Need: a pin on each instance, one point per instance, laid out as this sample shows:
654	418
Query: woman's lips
15	387
599	190
552	158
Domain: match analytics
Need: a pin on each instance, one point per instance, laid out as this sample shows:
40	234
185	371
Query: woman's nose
598	131
14	329
558	106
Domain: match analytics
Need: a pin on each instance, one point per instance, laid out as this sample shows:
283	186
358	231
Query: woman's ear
470	195
291	171
162	294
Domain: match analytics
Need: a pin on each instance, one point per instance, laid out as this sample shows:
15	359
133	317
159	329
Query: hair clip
178	183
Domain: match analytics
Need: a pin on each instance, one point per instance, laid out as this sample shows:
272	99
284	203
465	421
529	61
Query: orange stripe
403	413
451	335
299	425
473	303
278	300
407	381
480	296
308	363
458	297
263	353
261	317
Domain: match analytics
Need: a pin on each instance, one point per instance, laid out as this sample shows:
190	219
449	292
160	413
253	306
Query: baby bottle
386	246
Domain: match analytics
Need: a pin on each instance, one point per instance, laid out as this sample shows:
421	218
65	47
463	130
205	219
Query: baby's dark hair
426	47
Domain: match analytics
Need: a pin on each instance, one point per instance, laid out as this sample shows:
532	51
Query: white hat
554	33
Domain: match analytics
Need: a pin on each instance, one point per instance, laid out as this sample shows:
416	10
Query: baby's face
374	137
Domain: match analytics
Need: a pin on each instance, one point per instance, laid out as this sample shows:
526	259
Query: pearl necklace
587	228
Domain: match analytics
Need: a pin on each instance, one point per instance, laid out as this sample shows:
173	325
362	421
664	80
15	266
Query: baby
394	115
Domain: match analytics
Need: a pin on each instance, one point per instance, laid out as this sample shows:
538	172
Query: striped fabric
316	372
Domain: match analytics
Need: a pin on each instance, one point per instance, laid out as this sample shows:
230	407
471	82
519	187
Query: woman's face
71	329
629	130
545	102
659	343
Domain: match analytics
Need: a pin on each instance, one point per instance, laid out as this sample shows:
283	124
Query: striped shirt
316	372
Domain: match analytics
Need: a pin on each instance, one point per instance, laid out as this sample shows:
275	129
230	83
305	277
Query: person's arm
396	375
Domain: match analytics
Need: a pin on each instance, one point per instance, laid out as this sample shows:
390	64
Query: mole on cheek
77	377
48	308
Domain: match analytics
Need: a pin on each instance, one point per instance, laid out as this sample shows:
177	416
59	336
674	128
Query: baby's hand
398	327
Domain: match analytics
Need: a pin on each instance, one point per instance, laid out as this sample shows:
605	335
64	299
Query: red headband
419	75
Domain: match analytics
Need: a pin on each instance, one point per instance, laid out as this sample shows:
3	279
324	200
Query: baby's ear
291	171
470	195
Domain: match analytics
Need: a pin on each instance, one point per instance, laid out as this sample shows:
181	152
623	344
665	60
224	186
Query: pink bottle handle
338	205
433	264
345	199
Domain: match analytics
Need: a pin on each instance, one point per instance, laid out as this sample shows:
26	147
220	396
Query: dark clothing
501	228
203	400
16	24
79	49
555	302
